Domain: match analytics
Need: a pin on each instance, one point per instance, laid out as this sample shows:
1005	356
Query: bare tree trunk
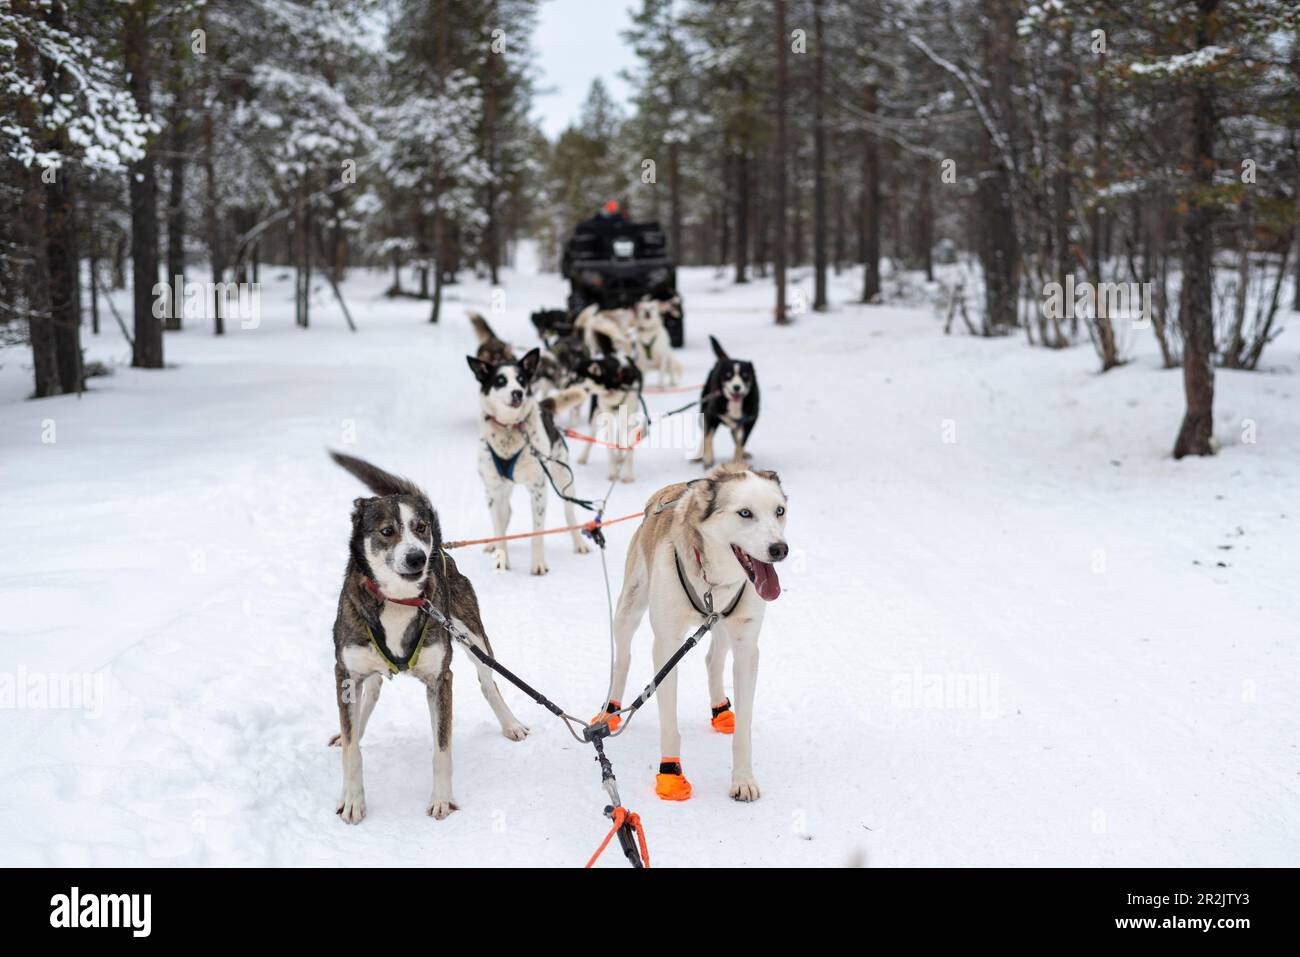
148	350
782	93
442	63
178	145
62	259
820	303
870	203
1196	435
998	246
925	228
212	202
45	364
742	209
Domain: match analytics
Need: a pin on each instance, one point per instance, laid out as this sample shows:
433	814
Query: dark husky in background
395	561
729	398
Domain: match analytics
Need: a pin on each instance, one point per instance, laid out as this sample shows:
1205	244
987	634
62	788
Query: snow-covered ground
1013	631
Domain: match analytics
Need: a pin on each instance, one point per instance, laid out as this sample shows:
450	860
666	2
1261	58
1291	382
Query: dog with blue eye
519	443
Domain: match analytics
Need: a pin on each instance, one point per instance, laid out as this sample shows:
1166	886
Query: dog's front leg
438	693
369	691
706	450
744	675
738	436
498	498
537	493
670	783
348	688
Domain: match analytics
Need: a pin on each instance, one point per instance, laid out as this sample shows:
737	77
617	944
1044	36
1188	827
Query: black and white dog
514	427
729	397
615	416
395	561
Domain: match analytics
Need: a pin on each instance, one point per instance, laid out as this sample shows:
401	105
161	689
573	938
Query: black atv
615	262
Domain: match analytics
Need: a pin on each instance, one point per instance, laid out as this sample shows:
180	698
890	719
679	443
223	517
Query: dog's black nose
516	396
778	551
416	560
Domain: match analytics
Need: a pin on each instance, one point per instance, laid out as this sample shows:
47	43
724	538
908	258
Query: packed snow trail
1012	631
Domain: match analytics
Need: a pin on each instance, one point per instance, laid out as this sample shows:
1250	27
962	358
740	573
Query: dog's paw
336	741
744	787
500	561
352	806
439	808
627	479
539	568
515	731
580	547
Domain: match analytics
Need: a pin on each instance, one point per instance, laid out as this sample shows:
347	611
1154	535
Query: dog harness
505	466
694	597
398	663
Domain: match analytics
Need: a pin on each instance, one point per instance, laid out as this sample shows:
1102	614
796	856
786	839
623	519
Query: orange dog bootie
724	720
670	783
614	720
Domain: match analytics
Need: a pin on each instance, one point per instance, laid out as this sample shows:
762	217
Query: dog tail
375	478
481	328
565	399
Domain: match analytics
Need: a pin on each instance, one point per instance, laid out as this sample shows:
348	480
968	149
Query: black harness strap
695	598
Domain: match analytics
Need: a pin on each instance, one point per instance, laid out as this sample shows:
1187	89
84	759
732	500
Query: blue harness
505	467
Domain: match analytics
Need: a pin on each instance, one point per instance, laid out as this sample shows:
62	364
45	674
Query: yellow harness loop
415	655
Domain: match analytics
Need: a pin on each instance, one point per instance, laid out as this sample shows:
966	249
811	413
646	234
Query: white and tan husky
719	535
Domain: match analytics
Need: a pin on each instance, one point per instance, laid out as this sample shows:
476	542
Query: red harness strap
374	590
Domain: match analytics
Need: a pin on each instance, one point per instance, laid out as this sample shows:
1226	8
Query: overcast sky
577	41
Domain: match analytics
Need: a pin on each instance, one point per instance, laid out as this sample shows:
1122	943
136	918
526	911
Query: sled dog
729	397
615	412
654	350
515	428
395	561
718	536
491	348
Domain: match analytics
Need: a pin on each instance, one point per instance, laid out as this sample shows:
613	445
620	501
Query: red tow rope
623	815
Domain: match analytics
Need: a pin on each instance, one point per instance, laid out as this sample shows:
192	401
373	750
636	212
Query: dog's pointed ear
482	370
529	362
718	350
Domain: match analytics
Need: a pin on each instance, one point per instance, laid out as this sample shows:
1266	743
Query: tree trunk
998	246
148	350
782	92
45	364
925	229
870	203
62	259
211	204
176	162
1196	435
742	212
820	303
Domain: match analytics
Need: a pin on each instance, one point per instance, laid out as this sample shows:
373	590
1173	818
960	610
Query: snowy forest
1031	142
1020	280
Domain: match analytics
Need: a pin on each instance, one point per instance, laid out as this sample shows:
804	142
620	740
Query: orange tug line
574	434
670	390
585	526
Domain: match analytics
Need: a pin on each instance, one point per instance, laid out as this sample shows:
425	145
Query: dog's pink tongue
766	583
